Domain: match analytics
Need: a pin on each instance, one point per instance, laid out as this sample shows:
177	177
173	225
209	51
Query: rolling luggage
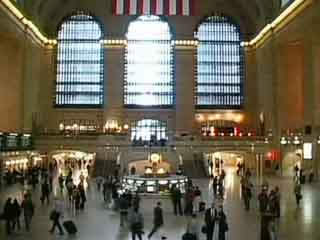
70	227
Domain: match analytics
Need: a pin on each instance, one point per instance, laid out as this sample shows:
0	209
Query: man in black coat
8	214
210	220
176	199
157	219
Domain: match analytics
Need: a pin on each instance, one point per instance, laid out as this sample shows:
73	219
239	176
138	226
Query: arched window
149	64
80	62
148	129
220	68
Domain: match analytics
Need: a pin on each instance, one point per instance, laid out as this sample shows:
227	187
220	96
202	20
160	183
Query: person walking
197	200
157	219
55	216
16	209
28	210
136	201
210	221
222	223
61	182
273	231
8	214
82	196
123	207
277	199
188	199
136	224
247	194
263	200
176	200
297	192
45	192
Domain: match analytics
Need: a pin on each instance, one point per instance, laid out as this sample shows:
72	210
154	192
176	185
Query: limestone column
114	82
31	85
185	89
11	84
47	115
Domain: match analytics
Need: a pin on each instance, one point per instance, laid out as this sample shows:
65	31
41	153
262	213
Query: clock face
155	157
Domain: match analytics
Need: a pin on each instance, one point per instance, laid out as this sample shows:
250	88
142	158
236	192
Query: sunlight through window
149	64
80	63
220	64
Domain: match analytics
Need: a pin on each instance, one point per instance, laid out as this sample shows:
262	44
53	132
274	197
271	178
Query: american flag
154	7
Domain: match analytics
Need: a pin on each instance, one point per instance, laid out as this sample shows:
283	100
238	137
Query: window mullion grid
79	62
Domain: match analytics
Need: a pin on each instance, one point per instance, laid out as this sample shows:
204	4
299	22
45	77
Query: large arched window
80	63
220	68
149	64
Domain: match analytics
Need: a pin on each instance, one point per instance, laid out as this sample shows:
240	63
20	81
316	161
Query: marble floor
99	223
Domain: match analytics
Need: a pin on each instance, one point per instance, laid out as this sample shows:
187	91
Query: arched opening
78	164
220	64
149	64
80	63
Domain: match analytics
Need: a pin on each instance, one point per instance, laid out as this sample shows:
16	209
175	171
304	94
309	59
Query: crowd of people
210	221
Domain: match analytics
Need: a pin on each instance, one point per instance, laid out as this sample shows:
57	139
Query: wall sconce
61	127
283	141
296	140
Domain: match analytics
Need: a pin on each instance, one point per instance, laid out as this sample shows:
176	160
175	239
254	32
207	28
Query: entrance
223	160
78	163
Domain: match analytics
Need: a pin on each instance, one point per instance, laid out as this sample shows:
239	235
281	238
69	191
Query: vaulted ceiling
253	14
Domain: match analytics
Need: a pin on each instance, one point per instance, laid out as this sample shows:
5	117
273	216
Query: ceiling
253	14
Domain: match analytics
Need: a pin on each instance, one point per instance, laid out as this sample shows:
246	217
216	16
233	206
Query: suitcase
202	206
188	236
70	227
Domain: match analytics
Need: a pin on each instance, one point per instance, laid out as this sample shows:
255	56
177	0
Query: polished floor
99	223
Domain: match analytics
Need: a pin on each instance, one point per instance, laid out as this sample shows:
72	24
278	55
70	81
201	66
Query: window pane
80	63
220	64
146	128
149	64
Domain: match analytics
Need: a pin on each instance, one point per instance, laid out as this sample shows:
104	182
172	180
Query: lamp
161	171
283	141
296	140
148	171
61	126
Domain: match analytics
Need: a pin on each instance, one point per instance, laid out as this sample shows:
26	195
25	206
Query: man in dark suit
176	199
210	220
157	219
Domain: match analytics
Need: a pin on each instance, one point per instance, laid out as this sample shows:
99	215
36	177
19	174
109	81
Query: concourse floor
99	223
